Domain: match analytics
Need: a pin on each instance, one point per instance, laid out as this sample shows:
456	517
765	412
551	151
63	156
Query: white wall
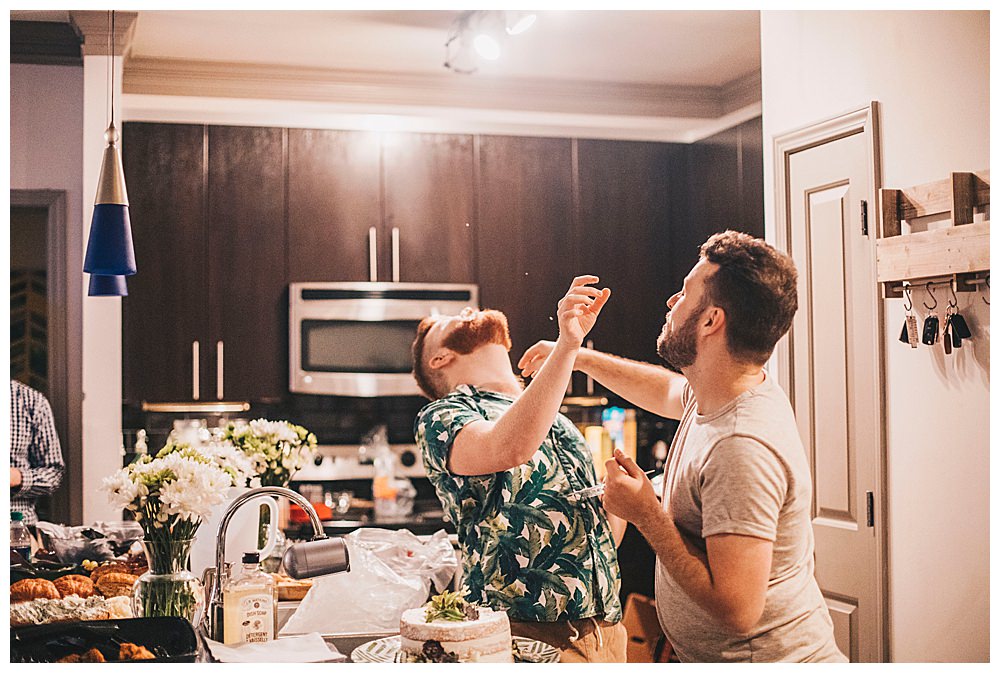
46	152
58	118
930	72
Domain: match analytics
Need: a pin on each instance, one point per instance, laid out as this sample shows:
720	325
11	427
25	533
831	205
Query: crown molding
182	77
741	92
93	26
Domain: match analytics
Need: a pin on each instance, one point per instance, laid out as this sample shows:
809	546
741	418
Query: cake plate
387	650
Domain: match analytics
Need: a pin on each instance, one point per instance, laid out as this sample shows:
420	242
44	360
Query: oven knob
408	458
318	460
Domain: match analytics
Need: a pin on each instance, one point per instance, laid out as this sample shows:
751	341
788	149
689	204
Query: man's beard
679	346
487	327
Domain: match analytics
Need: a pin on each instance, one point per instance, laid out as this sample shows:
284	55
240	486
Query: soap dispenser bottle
249	605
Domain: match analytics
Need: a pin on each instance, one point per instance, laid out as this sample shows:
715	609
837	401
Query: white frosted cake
481	634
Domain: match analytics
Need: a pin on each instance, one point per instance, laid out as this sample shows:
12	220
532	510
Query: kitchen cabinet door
525	235
429	206
247	263
167	305
333	202
627	210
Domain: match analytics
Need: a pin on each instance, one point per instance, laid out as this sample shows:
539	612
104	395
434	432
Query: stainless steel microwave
353	339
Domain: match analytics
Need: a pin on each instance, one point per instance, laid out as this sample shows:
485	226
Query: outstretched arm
485	447
650	387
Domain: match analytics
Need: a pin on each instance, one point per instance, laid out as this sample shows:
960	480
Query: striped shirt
34	449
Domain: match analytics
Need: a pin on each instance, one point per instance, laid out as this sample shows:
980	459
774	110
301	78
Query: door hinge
864	218
870	508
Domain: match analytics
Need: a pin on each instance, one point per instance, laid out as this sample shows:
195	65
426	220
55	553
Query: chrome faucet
214	578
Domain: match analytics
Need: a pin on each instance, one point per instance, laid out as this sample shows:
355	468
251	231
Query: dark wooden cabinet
334	200
247	265
526	246
626	214
429	208
225	217
165	311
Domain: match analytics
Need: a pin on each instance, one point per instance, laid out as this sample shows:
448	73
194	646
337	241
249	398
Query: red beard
487	327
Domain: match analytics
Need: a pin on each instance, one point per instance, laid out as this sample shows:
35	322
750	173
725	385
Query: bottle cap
251	557
17	516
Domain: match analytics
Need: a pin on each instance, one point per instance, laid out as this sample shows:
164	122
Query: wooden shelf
961	250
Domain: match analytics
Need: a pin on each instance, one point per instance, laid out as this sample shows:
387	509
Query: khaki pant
580	641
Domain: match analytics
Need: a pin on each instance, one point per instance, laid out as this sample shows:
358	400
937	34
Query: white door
834	368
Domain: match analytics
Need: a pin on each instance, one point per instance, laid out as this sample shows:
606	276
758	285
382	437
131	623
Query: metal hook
952	304
987	287
931	293
906	289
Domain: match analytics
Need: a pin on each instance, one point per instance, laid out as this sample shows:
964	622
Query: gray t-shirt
742	470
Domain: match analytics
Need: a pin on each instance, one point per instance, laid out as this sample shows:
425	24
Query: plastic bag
391	571
102	541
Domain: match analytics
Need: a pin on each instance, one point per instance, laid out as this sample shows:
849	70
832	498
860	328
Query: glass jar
168	588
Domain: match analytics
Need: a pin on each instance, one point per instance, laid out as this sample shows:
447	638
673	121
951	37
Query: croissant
32	588
113	567
74	584
116	584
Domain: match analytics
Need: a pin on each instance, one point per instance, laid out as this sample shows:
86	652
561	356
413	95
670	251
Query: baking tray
171	639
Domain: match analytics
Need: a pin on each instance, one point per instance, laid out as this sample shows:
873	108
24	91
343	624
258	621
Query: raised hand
534	358
579	308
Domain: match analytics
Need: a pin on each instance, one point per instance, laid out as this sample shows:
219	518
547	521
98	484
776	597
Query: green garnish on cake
450	606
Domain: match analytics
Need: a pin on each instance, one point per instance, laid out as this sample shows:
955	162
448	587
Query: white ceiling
673	75
689	48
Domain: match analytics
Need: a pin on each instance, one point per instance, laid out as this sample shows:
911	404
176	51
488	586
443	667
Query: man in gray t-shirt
733	536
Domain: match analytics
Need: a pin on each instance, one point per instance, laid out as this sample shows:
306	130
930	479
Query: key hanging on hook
909	334
931	322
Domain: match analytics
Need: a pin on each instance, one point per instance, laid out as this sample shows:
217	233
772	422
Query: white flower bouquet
169	495
276	449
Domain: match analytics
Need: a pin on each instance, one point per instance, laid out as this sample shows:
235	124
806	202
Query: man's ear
440	359
713	320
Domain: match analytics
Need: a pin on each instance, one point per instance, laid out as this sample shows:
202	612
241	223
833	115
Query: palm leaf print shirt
526	548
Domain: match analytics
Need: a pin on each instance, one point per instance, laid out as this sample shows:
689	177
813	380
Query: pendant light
109	247
107	286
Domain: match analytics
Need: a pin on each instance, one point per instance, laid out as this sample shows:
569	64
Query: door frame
63	363
864	119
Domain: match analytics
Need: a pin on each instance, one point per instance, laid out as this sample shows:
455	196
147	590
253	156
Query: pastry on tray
32	588
291	589
77	585
115	584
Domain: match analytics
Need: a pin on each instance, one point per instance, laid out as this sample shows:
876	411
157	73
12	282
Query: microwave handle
395	254
372	254
219	375
590	379
195	370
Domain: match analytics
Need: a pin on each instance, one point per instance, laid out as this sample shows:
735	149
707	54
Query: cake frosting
484	639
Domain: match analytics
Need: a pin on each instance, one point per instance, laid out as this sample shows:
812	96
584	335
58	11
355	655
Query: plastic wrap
391	571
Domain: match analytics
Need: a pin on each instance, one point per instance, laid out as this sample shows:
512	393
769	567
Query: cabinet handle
195	371
219	378
372	255
590	380
395	254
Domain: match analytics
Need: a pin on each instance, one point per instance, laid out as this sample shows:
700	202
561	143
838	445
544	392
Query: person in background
36	461
503	461
733	537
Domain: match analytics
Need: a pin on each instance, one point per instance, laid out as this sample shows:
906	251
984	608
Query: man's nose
672	301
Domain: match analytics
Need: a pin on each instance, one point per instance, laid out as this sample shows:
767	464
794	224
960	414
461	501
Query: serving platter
387	650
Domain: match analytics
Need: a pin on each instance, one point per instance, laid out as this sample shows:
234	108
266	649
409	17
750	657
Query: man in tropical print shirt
503	461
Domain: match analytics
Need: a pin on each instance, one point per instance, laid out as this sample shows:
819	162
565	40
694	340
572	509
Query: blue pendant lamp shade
109	248
107	286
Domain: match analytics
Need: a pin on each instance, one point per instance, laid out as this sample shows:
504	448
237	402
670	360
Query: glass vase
168	588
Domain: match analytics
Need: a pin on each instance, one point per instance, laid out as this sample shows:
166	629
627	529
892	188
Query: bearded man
503	461
733	536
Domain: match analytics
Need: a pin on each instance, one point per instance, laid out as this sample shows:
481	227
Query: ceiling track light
479	35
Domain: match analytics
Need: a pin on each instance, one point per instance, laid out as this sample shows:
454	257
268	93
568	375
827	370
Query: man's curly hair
756	286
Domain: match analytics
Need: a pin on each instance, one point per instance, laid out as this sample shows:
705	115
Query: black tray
171	639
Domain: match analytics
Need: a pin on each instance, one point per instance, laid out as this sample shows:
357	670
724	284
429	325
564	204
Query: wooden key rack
960	251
